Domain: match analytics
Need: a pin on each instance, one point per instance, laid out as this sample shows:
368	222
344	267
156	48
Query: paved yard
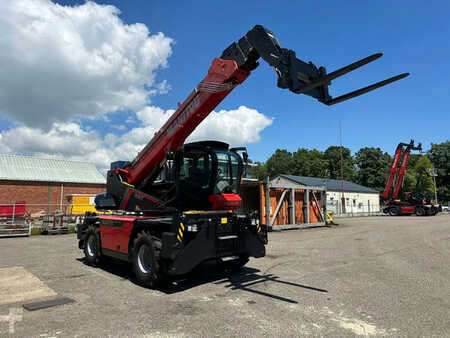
384	276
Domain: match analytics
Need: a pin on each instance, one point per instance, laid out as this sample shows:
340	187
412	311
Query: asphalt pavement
368	276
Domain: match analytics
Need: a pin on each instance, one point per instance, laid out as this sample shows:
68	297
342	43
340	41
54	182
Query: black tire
394	212
241	262
146	259
92	246
237	264
420	211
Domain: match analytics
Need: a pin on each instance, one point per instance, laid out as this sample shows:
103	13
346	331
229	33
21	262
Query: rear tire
394	212
145	260
92	246
420	211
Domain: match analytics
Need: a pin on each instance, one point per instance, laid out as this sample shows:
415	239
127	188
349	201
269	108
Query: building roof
27	168
333	185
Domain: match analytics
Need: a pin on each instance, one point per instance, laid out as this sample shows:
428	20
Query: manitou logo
183	115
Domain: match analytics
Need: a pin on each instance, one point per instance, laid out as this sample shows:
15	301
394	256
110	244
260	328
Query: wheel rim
143	259
91	246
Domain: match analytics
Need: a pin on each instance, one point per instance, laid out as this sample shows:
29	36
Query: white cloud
70	141
60	61
62	65
235	127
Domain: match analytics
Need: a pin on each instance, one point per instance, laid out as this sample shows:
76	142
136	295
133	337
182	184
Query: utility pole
342	170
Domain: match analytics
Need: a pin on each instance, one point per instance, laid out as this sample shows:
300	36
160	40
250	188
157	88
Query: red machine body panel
408	210
115	232
225	201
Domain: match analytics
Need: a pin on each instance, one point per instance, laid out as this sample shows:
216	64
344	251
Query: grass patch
72	229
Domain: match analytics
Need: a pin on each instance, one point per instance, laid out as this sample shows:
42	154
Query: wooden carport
285	204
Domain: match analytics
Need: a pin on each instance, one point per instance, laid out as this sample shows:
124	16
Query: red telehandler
176	205
411	203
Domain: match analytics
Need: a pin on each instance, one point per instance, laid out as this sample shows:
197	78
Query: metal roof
334	185
27	168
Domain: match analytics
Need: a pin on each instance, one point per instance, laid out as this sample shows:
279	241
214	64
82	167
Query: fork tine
337	73
365	89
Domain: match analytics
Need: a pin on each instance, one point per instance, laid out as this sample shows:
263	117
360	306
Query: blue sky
413	35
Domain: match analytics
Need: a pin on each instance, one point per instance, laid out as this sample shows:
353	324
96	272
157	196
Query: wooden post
306	200
292	220
318	206
267	190
278	207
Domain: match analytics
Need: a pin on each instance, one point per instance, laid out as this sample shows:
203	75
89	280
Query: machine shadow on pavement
210	272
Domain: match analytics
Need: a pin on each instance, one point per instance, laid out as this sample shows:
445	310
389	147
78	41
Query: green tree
410	179
439	154
422	168
372	167
310	163
333	156
260	171
418	167
281	162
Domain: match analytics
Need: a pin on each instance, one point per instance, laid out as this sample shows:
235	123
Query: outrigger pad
47	303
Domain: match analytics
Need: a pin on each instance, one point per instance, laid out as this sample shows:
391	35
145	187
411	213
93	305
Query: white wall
355	202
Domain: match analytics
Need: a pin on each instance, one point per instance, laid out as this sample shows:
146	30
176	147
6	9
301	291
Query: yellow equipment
330	216
78	204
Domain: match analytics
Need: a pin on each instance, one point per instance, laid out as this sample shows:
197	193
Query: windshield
228	173
196	168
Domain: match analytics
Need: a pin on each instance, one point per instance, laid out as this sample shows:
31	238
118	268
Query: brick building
43	184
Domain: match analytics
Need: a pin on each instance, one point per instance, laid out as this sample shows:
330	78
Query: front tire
145	259
394	212
92	246
236	265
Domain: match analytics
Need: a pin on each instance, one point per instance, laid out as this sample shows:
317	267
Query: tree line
368	167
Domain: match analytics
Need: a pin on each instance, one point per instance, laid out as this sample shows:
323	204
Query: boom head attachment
294	74
315	81
410	146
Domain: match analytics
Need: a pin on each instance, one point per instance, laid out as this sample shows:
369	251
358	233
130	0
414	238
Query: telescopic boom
225	73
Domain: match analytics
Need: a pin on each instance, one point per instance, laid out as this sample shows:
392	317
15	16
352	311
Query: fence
353	209
19	218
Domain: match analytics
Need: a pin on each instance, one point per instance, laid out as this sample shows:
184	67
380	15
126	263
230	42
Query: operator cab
199	176
207	176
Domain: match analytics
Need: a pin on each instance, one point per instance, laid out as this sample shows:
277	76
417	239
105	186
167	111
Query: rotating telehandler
177	205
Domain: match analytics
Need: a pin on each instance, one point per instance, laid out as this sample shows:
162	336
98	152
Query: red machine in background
410	203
